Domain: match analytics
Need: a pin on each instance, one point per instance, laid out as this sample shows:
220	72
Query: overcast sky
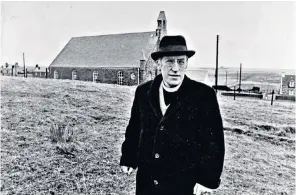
258	34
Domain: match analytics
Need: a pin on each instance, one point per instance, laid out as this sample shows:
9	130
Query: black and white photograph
148	98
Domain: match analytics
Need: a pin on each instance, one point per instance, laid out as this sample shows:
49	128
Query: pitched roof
161	16
40	69
30	68
115	50
287	78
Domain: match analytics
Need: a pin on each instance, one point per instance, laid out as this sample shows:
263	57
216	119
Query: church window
119	78
133	76
292	83
74	75
55	74
95	76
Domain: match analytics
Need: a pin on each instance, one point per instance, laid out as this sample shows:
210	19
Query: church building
122	59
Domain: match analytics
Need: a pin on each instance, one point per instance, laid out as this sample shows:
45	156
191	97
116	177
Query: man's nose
175	66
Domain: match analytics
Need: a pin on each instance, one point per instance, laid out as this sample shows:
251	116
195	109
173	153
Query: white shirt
163	106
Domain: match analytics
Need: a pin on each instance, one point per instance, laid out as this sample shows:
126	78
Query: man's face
173	69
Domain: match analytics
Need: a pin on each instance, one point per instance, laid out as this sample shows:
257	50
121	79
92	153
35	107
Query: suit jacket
181	148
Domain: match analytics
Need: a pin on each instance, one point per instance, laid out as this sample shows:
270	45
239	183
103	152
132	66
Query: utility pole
272	94
226	78
240	77
216	72
24	65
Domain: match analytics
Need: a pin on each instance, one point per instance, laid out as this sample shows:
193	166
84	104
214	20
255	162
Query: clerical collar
168	89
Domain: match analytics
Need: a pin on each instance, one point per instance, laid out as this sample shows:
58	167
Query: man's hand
201	190
127	170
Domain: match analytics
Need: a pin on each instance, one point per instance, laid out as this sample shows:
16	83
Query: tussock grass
64	137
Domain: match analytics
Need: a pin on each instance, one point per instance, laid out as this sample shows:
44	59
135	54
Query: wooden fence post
46	73
272	93
26	73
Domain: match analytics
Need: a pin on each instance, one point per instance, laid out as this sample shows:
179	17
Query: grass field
260	140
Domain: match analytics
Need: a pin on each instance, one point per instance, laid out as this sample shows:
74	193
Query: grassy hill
260	140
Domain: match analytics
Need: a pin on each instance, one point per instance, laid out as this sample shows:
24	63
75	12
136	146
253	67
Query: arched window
292	83
74	75
55	74
95	76
133	76
119	78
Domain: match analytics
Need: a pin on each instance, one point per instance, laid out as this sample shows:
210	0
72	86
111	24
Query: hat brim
158	54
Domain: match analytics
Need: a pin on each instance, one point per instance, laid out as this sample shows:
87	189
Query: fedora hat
171	46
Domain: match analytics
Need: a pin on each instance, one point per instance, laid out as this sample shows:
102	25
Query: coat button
157	155
155	182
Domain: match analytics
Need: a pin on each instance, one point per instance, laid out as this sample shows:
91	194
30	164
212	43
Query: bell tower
161	29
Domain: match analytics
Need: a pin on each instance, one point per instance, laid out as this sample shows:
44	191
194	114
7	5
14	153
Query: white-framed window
55	74
133	76
291	92
74	75
292	83
35	73
95	76
119	78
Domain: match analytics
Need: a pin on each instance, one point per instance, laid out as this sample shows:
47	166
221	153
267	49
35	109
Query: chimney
36	66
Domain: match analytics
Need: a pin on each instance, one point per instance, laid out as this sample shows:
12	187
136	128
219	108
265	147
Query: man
175	134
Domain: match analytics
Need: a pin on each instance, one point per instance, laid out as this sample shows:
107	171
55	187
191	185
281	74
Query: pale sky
257	34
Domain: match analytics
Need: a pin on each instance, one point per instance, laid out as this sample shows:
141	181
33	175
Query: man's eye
170	61
181	62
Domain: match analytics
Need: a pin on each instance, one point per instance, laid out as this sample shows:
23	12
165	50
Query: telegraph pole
240	77
24	65
226	78
216	72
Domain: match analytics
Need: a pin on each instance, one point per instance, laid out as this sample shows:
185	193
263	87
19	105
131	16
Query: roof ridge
113	34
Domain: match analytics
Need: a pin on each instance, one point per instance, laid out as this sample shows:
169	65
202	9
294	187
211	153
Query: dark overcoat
175	151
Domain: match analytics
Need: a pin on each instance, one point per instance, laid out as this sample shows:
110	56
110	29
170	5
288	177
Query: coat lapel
153	96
